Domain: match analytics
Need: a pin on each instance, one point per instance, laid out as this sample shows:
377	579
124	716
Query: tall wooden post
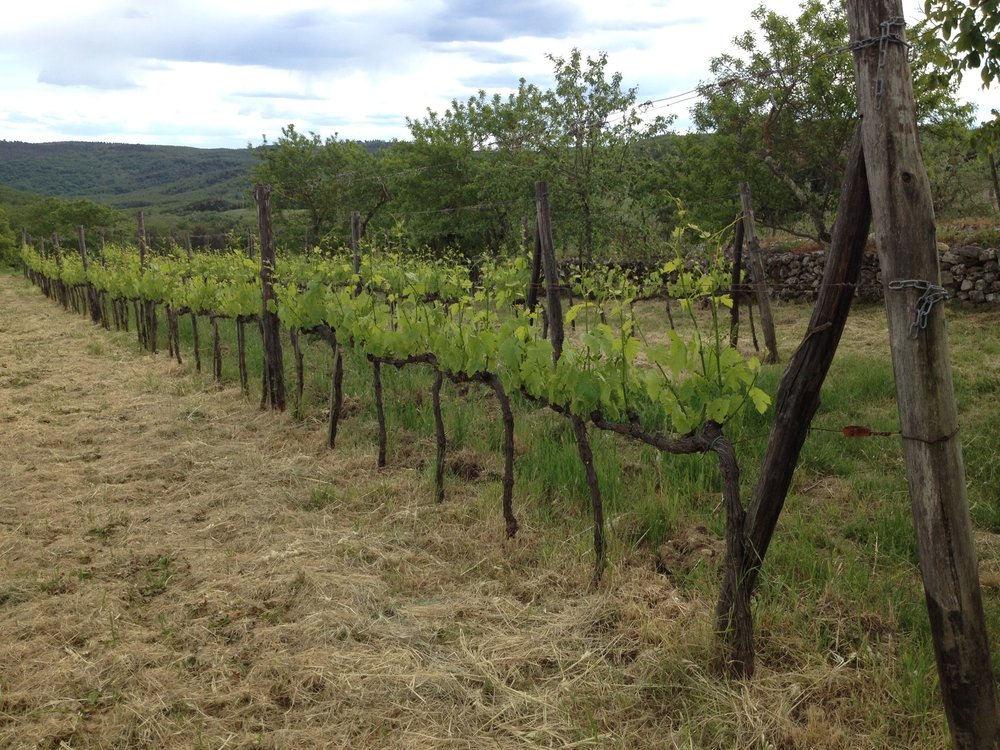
271	329
736	290
147	308
95	308
141	233
799	393
545	252
907	247
996	179
759	279
550	267
531	296
356	240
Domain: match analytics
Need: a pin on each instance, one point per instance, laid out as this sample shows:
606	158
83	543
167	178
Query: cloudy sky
225	72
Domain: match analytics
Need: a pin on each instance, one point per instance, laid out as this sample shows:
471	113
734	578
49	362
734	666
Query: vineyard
529	408
627	367
399	310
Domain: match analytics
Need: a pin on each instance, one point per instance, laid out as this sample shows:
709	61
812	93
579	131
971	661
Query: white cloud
224	72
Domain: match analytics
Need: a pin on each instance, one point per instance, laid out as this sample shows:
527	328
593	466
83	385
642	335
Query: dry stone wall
970	274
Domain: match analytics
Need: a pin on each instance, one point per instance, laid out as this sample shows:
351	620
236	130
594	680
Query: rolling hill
164	179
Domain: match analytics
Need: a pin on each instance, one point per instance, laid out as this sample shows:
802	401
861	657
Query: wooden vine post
759	279
356	241
337	374
545	249
60	286
336	386
194	314
95	307
736	288
799	392
550	269
274	370
148	306
996	179
440	437
907	247
531	298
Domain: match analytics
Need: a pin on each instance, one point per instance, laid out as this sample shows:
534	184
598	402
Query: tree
593	126
48	216
483	156
8	242
468	171
782	109
319	181
969	32
961	36
91	216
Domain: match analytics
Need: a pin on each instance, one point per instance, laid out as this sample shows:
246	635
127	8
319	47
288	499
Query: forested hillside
129	176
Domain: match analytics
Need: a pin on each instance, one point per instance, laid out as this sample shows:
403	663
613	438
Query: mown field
183	570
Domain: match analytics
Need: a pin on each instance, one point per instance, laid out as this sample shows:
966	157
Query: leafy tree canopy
318	182
580	136
8	242
48	216
971	35
782	107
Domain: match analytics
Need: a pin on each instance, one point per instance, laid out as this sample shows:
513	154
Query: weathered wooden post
759	279
274	369
550	268
546	250
356	240
141	235
799	393
736	287
148	307
907	247
996	179
95	308
531	297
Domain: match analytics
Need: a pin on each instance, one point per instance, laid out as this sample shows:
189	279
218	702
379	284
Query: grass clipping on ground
182	570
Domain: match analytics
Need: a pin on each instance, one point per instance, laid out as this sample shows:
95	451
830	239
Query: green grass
659	492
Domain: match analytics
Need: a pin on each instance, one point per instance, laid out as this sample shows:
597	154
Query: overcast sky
225	72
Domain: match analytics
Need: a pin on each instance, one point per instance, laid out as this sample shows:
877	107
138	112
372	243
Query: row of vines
470	323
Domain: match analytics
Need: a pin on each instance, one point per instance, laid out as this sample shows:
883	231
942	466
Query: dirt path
182	570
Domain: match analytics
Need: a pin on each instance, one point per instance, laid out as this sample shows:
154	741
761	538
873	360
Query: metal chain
883	41
932	294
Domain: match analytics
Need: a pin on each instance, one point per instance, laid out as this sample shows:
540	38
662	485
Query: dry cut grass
182	570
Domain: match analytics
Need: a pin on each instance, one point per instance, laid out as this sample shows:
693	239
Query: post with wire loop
907	247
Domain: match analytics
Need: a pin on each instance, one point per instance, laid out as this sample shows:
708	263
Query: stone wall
969	273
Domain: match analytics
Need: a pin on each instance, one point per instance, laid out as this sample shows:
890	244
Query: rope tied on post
932	294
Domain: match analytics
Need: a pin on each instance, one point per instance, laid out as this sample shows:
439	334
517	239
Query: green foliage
402	306
958	172
471	170
321	179
594	125
175	179
8	242
45	217
782	108
958	37
969	31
